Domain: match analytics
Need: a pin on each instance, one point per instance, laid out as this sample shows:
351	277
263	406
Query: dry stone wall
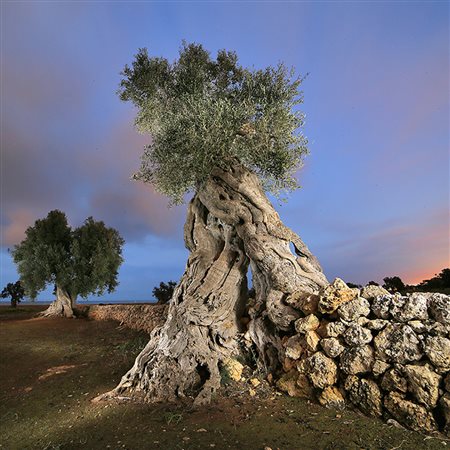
389	355
143	317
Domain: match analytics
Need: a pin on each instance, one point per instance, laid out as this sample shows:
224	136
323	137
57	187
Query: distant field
80	302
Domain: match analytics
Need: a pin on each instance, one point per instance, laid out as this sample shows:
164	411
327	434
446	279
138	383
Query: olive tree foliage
15	291
82	261
204	113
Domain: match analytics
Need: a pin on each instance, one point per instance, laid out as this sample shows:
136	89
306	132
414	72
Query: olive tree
225	134
163	293
15	292
78	262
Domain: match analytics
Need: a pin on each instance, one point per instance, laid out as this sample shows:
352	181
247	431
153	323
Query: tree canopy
15	291
204	113
394	284
440	281
164	292
83	261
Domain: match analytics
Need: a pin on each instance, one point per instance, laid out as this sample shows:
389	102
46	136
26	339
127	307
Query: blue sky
375	196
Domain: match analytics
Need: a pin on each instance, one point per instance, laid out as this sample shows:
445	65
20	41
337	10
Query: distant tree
440	282
353	285
445	277
15	291
372	283
164	292
80	262
394	284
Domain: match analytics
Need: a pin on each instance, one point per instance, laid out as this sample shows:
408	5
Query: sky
374	200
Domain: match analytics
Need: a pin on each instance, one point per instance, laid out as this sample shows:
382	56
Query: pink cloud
14	232
411	248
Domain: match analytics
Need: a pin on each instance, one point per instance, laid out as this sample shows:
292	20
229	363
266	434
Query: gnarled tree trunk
237	198
230	222
63	306
183	356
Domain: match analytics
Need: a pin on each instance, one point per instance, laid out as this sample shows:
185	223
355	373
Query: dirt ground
52	368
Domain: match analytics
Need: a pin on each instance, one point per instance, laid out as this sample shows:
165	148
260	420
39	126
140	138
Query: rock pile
387	354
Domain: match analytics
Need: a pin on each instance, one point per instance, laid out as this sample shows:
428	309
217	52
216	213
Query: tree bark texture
63	306
230	223
183	356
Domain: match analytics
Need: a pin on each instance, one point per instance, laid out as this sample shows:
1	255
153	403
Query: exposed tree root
62	307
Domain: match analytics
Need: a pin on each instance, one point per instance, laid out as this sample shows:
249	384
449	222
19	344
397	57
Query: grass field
52	368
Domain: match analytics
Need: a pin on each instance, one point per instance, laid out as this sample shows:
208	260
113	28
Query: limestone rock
331	397
409	414
370	291
439	329
288	364
304	387
444	404
418	326
294	347
376	324
439	308
304	302
308	323
379	367
234	368
321	370
334	295
410	307
288	383
393	380
312	340
322	330
381	306
447	382
334	329
437	348
332	347
397	303
363	321
423	383
398	343
357	335
356	360
365	394
354	309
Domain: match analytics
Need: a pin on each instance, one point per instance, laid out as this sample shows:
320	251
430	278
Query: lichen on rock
398	343
409	414
356	360
334	295
365	394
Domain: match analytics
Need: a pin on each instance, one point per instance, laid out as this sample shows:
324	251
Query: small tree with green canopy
226	134
15	291
78	262
163	293
394	284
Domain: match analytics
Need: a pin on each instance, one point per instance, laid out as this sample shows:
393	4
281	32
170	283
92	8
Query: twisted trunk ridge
230	224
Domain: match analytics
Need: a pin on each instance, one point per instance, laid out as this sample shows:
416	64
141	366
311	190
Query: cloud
410	248
67	145
91	180
14	231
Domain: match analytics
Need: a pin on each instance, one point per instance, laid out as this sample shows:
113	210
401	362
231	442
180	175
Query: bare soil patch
86	358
